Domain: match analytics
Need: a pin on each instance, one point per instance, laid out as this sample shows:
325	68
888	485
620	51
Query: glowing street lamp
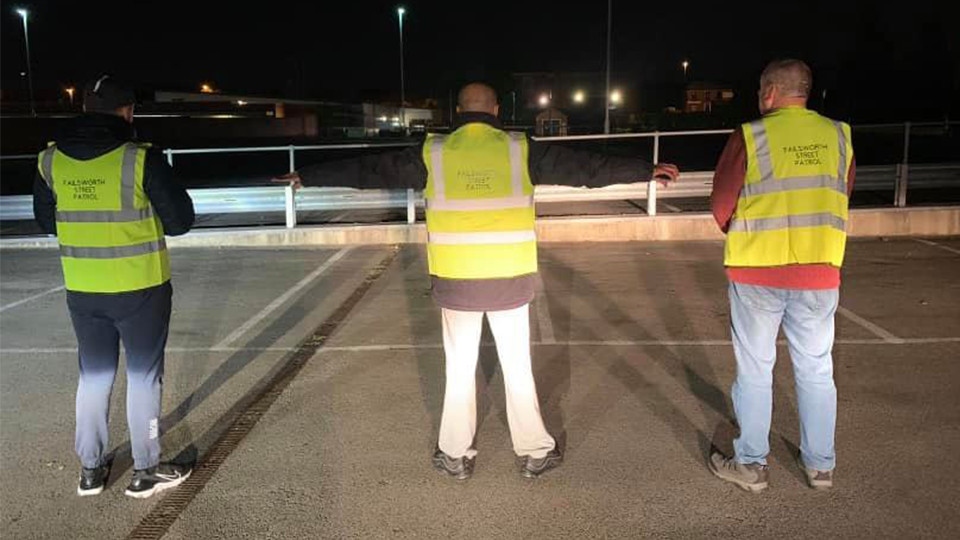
579	96
616	98
400	12
24	14
544	100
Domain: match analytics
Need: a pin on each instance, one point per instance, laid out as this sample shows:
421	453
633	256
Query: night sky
886	63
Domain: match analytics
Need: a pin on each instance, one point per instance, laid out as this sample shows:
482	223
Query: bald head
785	83
477	97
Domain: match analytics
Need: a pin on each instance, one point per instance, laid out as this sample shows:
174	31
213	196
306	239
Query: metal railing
655	135
305	200
262	199
374	200
691	184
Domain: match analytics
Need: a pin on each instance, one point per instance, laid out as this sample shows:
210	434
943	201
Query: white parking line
253	321
30	298
542	306
941	246
869	326
436	346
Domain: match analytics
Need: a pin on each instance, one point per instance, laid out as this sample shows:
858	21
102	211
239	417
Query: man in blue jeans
780	193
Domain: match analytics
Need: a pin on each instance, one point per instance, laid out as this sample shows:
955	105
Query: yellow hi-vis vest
480	215
793	207
110	239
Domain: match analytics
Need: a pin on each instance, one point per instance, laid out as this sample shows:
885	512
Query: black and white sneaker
92	481
147	482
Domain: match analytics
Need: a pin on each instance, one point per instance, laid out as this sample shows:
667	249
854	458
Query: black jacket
93	135
548	164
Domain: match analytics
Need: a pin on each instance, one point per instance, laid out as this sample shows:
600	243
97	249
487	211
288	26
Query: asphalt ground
633	365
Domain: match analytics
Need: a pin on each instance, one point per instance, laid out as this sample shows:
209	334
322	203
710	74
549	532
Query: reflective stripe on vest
113	252
798	217
480	218
512	237
123	216
110	238
793	184
46	167
788	222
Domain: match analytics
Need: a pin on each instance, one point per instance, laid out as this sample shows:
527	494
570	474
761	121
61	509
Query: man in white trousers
478	182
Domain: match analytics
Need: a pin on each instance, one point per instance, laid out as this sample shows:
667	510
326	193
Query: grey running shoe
816	479
752	477
92	481
460	468
147	482
534	467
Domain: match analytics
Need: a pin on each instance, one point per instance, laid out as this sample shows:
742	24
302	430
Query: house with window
552	123
704	97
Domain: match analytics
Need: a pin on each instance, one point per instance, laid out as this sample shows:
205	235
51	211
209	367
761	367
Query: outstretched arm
403	169
553	164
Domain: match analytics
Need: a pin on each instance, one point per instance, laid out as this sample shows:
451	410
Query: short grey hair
792	76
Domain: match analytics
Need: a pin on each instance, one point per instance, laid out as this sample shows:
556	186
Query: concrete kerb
932	221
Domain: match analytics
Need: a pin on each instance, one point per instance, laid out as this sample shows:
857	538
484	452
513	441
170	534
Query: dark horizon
876	62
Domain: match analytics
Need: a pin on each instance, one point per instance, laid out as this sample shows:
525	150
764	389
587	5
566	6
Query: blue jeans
808	324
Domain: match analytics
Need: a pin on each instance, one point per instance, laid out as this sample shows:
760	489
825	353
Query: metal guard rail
692	184
263	199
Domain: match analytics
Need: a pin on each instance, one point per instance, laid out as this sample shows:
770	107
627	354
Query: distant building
552	123
392	118
317	117
704	97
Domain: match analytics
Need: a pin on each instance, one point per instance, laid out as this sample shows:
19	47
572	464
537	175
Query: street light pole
403	97
26	38
606	109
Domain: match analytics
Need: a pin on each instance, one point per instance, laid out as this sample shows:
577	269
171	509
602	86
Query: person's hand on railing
293	179
664	173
